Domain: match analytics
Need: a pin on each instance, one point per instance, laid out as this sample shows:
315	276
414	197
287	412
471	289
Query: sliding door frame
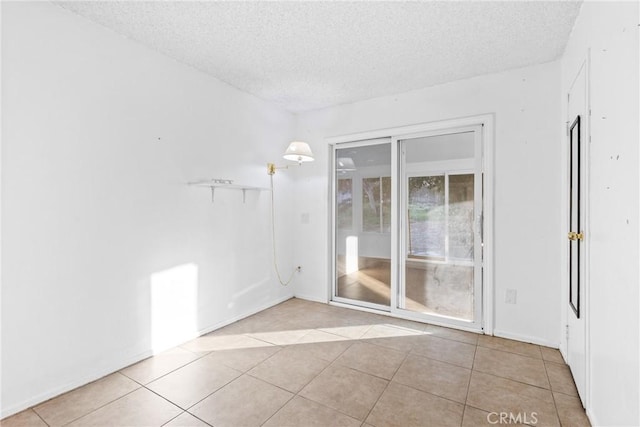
486	129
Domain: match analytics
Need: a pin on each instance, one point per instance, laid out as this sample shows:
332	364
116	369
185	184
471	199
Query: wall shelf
226	184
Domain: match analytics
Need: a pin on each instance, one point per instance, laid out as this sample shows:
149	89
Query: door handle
572	235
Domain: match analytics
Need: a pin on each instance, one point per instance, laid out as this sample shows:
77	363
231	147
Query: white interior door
577	237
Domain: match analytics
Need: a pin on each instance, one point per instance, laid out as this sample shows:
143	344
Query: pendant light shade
298	151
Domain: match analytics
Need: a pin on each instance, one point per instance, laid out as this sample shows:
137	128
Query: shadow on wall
174	306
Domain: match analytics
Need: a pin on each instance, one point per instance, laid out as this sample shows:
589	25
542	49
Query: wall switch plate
511	296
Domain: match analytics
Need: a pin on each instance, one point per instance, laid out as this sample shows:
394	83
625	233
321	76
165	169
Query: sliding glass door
362	200
440	241
408	225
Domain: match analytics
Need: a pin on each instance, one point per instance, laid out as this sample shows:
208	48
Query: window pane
371	204
461	217
426	216
344	203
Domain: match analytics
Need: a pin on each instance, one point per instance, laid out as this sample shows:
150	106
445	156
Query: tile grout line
515	381
428	392
293	396
164	398
372	374
406	356
560	391
213	392
38	415
274	385
342	336
553	397
466	398
297	394
564	394
510	352
272	343
102	406
281	347
33	408
439	360
425	333
197	417
325	368
332	363
164	424
163	375
182	413
555	363
229	382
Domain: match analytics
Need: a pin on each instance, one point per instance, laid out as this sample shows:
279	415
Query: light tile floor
307	364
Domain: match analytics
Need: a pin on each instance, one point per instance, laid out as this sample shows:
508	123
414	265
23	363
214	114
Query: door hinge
567	332
566	127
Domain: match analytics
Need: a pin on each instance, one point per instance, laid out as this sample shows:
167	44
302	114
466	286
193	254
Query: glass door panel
440	240
362	238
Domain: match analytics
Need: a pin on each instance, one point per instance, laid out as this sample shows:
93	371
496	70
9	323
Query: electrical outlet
511	296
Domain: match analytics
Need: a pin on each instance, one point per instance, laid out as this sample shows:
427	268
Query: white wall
100	136
526	107
610	31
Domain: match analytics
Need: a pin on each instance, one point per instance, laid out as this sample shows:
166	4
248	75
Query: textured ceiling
309	55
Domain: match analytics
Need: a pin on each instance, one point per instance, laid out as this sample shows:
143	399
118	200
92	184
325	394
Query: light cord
273	235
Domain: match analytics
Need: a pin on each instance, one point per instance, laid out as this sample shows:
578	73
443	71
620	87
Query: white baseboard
242	316
592	418
121	364
525	338
312	298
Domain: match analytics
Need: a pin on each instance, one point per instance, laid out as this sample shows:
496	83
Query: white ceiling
309	55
